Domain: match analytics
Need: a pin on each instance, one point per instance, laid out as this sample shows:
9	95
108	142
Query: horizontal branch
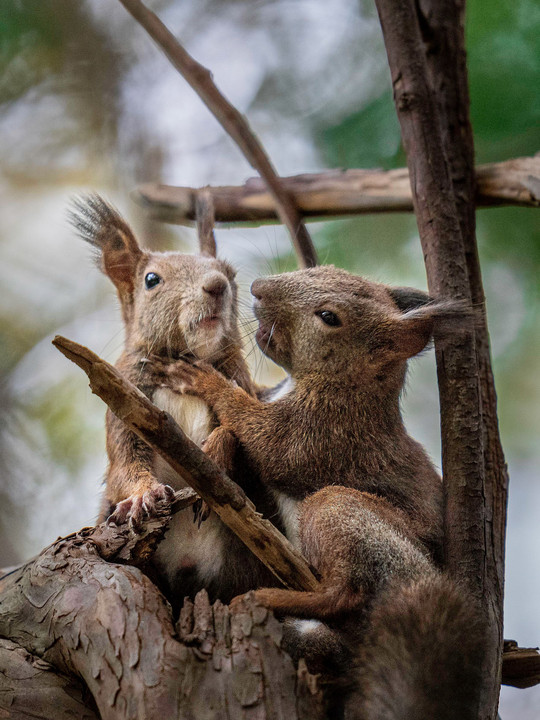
233	122
521	666
226	498
339	192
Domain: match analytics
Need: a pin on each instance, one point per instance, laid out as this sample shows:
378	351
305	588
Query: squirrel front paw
198	378
136	508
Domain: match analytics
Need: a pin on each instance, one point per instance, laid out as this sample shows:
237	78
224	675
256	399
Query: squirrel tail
422	655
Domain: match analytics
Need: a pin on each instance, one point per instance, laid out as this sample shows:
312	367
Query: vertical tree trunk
443	29
435	128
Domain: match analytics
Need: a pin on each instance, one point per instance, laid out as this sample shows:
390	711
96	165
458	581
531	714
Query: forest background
87	103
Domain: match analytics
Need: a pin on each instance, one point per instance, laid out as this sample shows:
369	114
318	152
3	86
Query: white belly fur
288	511
185	544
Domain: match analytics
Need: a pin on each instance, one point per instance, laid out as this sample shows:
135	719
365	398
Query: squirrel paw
193	378
136	508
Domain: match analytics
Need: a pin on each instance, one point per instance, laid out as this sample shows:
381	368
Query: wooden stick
232	121
467	523
338	192
226	498
204	214
443	32
520	666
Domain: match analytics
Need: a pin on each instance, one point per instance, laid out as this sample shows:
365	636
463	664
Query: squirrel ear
117	250
414	329
407	298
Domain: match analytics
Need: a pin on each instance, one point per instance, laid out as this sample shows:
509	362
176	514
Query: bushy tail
422	655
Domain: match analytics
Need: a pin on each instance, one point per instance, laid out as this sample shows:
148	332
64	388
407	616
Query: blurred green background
88	103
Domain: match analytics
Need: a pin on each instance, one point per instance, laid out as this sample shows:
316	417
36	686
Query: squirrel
358	496
173	305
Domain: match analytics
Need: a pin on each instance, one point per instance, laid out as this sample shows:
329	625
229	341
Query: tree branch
225	497
338	192
466	513
75	608
443	28
204	215
520	666
31	688
232	121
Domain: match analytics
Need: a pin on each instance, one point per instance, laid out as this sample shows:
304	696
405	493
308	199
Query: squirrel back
402	638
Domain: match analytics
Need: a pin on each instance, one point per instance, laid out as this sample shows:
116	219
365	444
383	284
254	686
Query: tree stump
78	612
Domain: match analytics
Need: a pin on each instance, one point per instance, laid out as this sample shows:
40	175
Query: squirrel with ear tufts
357	495
174	306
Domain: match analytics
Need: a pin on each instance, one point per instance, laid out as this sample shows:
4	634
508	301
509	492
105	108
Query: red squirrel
173	305
358	496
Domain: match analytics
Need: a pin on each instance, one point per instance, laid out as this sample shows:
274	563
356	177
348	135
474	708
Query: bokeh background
88	103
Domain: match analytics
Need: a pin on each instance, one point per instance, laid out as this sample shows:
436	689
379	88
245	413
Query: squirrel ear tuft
118	252
445	318
408	298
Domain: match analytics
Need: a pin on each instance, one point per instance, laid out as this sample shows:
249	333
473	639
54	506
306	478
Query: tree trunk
79	609
427	64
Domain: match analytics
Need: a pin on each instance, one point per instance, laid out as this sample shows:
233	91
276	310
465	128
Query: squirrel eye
151	280
329	318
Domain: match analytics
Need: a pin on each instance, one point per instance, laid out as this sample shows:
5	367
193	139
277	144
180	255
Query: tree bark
79	608
443	29
338	192
32	688
469	550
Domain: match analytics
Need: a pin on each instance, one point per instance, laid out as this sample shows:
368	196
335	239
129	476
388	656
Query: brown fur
341	421
370	500
191	312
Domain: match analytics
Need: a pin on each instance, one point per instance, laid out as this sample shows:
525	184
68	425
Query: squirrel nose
256	289
215	284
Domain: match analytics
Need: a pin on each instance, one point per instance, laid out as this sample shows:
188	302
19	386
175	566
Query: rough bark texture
32	688
158	429
338	192
78	609
443	29
232	121
469	548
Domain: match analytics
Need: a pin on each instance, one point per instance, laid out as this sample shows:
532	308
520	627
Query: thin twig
232	121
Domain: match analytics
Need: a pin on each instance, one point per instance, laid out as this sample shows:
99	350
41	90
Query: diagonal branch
234	123
338	192
226	498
